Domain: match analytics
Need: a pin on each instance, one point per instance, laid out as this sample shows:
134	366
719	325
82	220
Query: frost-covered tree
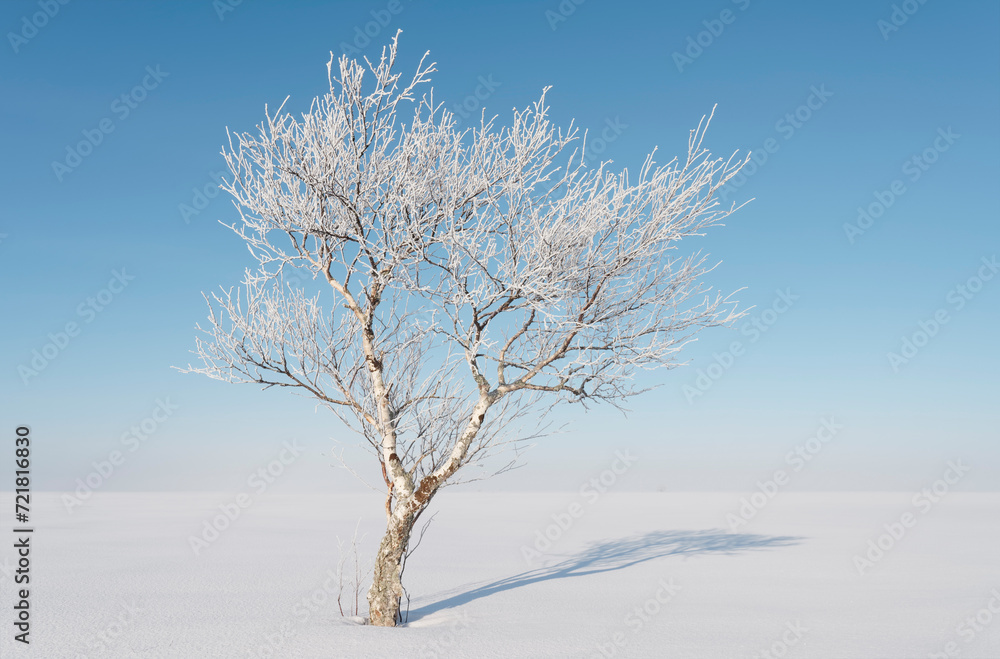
471	276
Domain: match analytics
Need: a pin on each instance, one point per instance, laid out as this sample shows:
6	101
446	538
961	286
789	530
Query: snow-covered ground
631	575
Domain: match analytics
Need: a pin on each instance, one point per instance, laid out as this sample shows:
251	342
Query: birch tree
470	276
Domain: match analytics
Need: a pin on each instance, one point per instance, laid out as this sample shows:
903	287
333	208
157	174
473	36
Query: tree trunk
387	589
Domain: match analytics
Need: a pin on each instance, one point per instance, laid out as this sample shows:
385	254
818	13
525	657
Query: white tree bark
473	274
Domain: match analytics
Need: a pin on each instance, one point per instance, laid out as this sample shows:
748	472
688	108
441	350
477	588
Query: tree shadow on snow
610	555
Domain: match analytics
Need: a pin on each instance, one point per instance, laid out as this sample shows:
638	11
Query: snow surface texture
633	575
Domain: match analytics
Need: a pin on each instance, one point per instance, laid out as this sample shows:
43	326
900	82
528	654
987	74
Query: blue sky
838	98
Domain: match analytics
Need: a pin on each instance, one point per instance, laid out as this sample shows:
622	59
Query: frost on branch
466	275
